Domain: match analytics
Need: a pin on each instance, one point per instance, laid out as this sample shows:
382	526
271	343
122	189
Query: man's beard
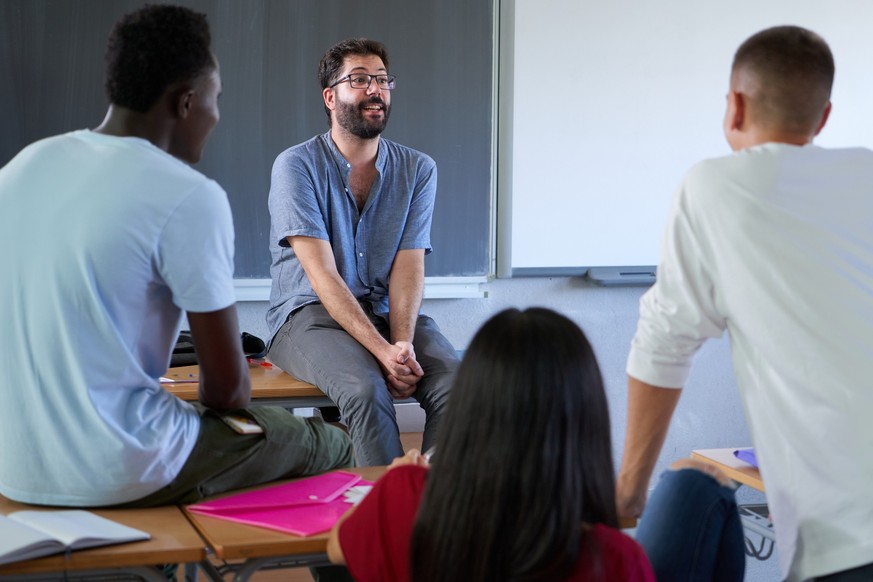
350	117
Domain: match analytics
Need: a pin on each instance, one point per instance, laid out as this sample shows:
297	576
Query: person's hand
402	370
707	468
412	457
629	501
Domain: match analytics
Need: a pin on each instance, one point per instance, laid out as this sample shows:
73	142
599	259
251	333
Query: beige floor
409	440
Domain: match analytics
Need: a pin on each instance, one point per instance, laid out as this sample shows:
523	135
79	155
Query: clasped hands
402	370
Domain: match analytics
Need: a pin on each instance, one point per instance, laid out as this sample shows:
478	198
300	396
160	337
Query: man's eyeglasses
362	81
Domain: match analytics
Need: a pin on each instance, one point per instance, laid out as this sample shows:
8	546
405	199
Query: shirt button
360	254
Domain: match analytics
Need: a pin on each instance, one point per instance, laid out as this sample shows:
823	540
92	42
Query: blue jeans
691	529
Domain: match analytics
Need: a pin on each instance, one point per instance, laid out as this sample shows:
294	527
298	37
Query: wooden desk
270	386
738	470
261	547
174	541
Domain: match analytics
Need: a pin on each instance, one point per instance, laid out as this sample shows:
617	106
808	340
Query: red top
375	538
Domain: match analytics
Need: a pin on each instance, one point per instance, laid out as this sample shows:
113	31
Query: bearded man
350	212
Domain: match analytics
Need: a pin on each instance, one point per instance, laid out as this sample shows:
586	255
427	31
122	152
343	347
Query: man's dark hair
152	48
332	61
523	458
793	71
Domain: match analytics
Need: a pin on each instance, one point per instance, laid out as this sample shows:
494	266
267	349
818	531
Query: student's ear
736	111
181	99
184	107
824	118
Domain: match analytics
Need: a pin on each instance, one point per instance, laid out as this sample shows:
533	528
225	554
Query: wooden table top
736	469
267	382
174	540
231	541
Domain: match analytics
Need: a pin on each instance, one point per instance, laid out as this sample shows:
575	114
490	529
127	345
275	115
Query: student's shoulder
172	173
406	477
710	167
43	145
857	157
607	554
614	539
623	556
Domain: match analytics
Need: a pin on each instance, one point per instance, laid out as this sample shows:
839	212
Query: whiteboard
605	105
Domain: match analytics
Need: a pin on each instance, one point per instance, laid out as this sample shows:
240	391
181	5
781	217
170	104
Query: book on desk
32	534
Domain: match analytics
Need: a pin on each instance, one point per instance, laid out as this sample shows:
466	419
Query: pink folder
303	507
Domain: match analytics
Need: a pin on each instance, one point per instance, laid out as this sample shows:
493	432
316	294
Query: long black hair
523	461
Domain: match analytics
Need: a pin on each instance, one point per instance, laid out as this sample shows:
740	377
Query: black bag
183	352
185	355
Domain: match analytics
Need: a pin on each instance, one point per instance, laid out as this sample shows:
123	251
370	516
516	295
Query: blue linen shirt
310	196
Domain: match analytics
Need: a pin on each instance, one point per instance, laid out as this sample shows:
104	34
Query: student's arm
649	410
316	258
224	374
334	549
405	290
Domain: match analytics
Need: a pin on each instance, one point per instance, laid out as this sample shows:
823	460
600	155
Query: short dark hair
523	457
152	48
332	61
793	70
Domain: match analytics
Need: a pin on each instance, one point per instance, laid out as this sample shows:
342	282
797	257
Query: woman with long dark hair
521	485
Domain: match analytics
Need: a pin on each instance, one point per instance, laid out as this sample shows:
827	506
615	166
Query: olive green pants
223	460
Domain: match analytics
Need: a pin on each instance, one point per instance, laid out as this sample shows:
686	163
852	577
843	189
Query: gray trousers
314	348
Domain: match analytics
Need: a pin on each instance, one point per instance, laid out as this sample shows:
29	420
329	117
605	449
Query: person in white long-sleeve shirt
775	245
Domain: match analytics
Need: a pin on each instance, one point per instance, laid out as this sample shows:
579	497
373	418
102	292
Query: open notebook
303	507
32	534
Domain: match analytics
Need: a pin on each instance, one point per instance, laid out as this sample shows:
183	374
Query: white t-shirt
775	244
105	240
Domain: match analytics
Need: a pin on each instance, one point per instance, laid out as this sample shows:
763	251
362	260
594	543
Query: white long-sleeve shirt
775	244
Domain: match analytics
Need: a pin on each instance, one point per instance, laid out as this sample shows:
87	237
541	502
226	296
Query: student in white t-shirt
114	237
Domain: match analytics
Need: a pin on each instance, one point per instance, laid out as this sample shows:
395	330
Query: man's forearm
648	417
404	303
405	292
346	311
